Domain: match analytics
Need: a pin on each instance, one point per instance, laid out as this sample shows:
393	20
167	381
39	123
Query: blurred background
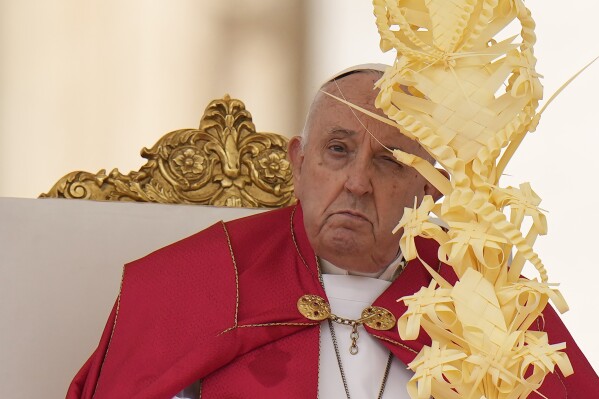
84	85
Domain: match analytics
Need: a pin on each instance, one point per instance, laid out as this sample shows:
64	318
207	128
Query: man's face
351	189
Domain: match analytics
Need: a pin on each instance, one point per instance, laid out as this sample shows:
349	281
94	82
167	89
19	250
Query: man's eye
392	160
390	163
337	148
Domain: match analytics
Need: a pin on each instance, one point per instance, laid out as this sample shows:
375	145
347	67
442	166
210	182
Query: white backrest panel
60	270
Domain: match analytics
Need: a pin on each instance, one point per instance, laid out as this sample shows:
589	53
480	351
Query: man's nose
359	179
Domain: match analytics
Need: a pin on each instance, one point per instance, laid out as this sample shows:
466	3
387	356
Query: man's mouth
358	216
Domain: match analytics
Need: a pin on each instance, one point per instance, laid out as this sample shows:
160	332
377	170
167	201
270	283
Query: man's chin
346	253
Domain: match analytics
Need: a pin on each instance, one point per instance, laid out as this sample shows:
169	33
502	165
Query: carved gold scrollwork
224	162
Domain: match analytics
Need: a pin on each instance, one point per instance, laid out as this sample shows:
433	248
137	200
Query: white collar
387	274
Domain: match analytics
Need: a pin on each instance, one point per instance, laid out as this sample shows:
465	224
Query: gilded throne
224	162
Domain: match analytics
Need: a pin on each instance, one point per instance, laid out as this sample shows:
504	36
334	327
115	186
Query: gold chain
354	335
342	372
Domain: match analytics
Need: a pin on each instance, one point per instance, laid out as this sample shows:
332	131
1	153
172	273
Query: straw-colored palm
469	96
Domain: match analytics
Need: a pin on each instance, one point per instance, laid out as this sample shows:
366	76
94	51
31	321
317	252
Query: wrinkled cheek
313	217
388	248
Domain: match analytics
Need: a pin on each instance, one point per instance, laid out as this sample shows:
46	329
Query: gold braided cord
464	86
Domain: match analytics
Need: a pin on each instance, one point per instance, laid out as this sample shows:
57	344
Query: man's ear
295	152
431	190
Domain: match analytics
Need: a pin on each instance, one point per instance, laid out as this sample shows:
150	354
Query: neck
388	272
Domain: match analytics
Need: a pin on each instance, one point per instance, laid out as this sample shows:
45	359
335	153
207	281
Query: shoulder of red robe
195	305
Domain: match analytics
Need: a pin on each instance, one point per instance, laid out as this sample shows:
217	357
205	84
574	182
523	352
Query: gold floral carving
224	162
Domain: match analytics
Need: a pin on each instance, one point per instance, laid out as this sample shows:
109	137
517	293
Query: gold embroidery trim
116	316
235	269
296	246
293	324
277	324
394	342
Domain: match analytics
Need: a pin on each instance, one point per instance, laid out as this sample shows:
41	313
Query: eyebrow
350	133
342	130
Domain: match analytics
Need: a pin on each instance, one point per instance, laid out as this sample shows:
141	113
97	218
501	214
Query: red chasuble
221	307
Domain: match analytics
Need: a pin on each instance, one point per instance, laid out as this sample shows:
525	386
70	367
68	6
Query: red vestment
221	306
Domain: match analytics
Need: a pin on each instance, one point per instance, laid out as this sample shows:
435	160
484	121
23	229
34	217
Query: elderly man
240	309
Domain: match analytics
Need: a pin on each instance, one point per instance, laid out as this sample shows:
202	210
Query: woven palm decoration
469	97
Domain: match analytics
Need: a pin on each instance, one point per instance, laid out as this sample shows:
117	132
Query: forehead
330	117
357	88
